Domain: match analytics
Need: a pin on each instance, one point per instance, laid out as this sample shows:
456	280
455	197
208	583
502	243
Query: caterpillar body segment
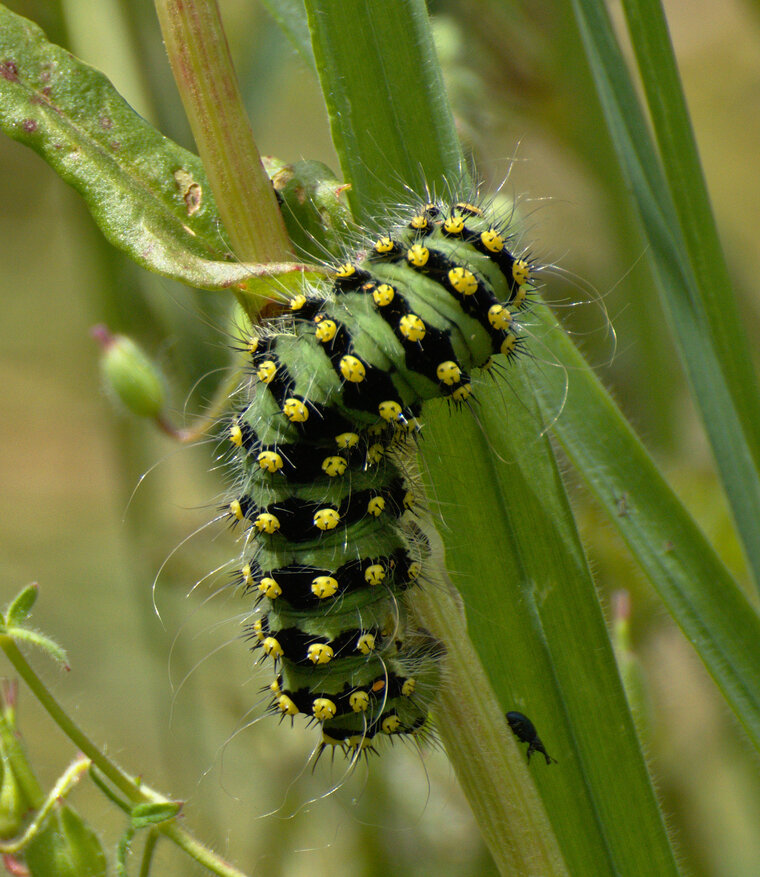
336	390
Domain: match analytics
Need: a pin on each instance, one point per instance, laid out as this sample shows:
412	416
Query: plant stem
148	850
500	789
59	791
13	749
203	70
185	841
69	727
137	793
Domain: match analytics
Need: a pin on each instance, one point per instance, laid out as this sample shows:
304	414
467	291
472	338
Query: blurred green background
172	699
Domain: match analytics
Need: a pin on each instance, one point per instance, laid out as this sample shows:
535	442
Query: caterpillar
320	464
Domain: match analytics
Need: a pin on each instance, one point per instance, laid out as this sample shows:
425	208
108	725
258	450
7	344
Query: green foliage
511	543
14	628
66	847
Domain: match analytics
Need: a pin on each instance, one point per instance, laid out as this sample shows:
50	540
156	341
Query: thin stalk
65	784
69	727
134	792
13	749
148	851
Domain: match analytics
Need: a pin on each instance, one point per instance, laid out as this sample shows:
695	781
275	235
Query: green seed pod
13	802
19	790
130	375
66	847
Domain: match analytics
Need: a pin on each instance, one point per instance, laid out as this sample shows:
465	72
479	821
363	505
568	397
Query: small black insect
525	731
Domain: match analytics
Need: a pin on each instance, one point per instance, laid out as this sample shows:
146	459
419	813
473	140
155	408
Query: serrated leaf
150	197
21	606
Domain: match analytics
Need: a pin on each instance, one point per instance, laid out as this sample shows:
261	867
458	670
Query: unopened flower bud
130	375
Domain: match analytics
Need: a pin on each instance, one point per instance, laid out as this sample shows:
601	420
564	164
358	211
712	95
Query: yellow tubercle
383	294
295	410
272	648
463	281
323	709
352	369
499	317
374	574
267	523
334	466
320	653
326	519
389	410
462	393
391	724
492	240
326	331
347	440
375	453
412	327
384	245
266	371
236	435
359	701
286	706
269	588
448	373
366	643
521	272
324	586
454	225
270	461
376	506
417	255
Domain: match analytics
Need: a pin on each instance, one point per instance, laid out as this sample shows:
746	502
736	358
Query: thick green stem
499	787
203	70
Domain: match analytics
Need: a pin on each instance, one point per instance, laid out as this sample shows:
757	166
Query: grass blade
699	592
392	72
721	388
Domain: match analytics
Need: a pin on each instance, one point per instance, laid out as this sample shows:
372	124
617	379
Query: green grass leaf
534	618
683	249
699	592
390	77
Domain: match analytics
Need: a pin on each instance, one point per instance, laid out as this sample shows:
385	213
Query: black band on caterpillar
337	386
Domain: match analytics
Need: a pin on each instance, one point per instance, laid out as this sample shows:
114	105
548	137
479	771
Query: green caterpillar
320	455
